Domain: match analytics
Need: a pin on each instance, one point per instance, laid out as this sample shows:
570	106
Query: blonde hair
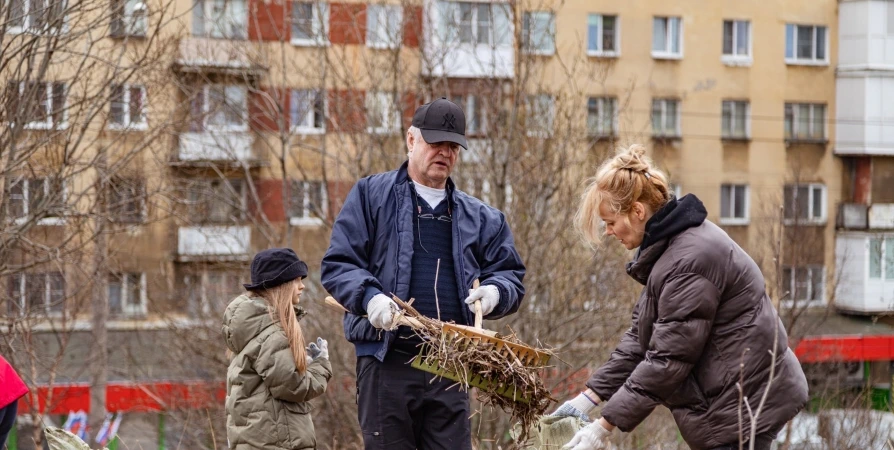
279	298
621	181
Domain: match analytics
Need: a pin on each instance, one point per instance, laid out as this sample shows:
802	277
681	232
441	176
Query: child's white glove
591	437
319	349
489	296
380	311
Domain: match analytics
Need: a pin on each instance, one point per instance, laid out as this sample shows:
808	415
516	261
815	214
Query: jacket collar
403	177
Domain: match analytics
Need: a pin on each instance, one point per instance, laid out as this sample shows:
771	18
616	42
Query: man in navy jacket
411	233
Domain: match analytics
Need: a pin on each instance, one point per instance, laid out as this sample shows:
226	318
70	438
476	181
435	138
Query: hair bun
633	158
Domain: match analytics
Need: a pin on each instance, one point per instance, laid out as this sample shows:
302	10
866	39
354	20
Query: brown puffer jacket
267	399
703	311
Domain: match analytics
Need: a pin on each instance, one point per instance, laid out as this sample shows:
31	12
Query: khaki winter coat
703	311
267	399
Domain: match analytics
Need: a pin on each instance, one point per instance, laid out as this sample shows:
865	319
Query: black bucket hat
273	267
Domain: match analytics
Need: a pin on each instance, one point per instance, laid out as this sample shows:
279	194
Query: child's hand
319	349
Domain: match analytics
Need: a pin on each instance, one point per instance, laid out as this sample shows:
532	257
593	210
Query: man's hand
591	437
581	406
489	296
381	311
319	349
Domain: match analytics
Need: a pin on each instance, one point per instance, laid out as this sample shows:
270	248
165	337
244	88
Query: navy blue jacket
371	252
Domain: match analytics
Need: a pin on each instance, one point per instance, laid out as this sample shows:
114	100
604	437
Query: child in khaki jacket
272	376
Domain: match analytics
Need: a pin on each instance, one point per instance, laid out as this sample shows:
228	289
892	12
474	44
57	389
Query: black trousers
7	421
761	442
400	407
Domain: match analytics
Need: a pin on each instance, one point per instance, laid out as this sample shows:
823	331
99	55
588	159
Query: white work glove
489	296
319	349
591	437
380	311
580	407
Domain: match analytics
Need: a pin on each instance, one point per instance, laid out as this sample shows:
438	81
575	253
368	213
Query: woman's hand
594	436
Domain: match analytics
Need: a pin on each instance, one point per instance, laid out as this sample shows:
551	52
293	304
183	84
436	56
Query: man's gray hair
417	135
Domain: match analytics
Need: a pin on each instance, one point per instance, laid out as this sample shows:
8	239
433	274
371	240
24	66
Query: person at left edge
412	233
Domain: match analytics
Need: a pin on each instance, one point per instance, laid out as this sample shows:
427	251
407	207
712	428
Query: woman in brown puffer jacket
703	311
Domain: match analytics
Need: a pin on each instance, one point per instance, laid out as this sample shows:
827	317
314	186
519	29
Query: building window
383	26
735	123
473	106
603	35
37	105
474	23
310	23
601	113
128	107
307	202
127	200
307	111
665	117
35	16
222	19
667	37
129	18
805	44
216	201
734	204
539	33
805	203
219	107
881	258
383	116
127	294
42	198
541	112
804	284
805	122
35	293
209	292
736	41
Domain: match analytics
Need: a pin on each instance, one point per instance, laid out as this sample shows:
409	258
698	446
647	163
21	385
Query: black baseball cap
441	121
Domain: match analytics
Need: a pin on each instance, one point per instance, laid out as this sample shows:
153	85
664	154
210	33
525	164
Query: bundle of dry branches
503	379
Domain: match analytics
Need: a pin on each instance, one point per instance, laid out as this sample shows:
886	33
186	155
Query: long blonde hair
279	298
621	181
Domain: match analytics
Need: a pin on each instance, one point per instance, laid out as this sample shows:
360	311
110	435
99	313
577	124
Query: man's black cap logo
449	121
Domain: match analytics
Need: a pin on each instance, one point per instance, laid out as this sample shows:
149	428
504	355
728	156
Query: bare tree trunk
100	313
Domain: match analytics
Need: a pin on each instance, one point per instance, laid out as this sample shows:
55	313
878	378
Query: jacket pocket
689	396
301	432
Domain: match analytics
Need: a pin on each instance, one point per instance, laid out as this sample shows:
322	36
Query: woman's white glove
489	296
591	437
381	311
580	407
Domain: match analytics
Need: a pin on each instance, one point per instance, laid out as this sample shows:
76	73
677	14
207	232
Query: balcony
881	216
480	52
865	265
865	41
213	243
852	216
202	55
233	147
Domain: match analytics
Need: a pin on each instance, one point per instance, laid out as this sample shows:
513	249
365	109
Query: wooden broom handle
478	316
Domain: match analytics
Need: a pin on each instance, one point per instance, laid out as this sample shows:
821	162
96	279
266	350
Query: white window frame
204	303
308	216
389	116
207	110
20	279
733	106
205	13
133	19
663	102
48	103
812	61
667	53
811	188
601	104
384	16
26	26
795	116
732	204
791	288
450	15
208	192
319	25
885	241
26	189
476	120
600	51
304	128
735	59
542	121
532	26
130	311
142	122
